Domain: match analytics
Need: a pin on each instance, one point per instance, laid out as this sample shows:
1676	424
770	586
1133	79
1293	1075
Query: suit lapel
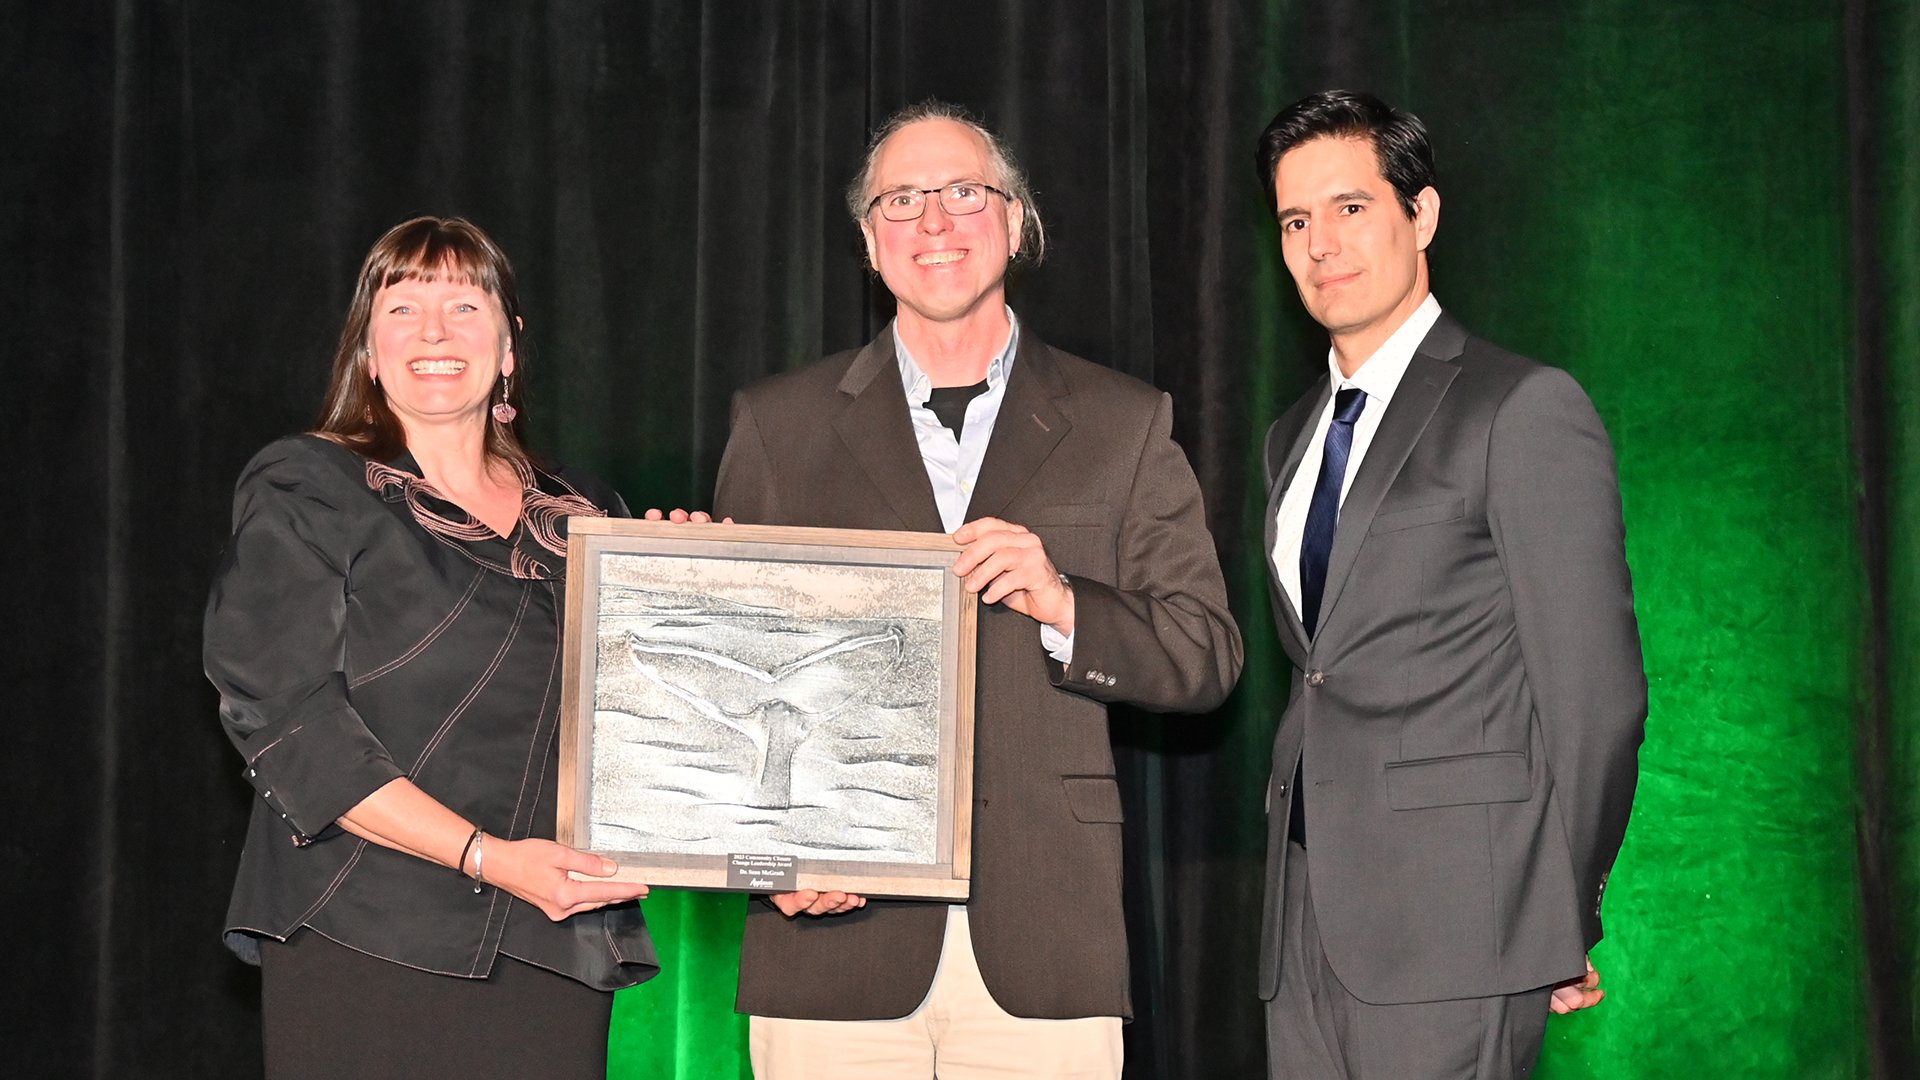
1027	429
1287	438
1425	383
1287	443
879	435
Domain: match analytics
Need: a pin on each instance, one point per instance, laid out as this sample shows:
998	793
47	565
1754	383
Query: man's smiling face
941	268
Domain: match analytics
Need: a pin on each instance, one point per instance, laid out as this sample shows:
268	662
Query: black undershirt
949	403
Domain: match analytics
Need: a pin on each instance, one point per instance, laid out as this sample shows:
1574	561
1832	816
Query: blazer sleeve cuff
1091	659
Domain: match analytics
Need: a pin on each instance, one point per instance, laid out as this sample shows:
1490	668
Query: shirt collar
1379	375
919	388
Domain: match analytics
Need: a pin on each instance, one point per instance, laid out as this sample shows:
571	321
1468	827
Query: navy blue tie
1316	544
1323	513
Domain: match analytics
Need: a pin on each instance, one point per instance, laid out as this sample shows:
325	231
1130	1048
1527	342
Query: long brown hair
355	413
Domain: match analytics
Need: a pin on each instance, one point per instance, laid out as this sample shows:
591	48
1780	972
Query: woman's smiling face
436	348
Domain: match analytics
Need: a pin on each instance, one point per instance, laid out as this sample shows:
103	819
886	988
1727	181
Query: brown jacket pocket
1093	799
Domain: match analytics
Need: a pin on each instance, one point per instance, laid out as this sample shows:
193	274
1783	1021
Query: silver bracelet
479	857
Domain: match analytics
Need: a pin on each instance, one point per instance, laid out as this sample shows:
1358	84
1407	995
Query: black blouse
361	629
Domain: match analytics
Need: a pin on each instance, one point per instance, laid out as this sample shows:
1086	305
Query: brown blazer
1084	457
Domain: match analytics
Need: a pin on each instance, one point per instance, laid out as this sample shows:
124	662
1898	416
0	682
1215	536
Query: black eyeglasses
958	199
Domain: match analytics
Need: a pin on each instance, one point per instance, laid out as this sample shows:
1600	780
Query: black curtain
187	189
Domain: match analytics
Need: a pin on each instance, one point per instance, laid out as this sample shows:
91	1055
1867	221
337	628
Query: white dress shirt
953	465
1378	376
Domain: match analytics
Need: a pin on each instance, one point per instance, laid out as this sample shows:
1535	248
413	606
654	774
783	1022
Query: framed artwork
765	708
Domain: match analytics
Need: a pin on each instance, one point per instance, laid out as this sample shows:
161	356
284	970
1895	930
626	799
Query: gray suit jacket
1084	457
1472	706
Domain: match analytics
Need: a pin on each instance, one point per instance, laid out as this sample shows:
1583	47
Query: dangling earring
503	410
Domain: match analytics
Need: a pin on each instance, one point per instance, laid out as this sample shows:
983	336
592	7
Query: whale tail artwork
775	707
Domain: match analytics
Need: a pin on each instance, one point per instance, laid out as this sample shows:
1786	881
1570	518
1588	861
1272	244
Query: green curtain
1675	268
682	1023
1890	213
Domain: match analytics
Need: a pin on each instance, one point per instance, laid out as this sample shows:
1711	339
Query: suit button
1316	677
1280	790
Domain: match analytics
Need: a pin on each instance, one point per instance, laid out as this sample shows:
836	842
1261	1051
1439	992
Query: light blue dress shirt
953	465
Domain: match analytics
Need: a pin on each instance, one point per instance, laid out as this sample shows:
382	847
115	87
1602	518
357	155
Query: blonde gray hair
1008	175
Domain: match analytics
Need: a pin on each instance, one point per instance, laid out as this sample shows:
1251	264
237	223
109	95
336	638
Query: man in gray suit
1454	770
1086	542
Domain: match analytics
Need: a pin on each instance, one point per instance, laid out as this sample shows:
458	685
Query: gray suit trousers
1317	1030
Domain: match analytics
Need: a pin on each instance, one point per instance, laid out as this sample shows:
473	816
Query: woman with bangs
384	634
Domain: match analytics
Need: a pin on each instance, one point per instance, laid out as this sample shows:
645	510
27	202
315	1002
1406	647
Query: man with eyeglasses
1085	539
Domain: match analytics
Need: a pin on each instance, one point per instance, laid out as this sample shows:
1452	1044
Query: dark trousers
329	1012
1316	1030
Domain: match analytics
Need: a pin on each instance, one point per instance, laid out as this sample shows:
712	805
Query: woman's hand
815	902
401	816
536	871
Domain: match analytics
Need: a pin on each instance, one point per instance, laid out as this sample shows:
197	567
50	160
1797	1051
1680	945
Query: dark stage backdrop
1704	210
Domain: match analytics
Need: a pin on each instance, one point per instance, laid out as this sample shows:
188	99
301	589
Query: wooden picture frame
768	708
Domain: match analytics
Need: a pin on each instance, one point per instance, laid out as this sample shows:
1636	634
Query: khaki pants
958	1033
